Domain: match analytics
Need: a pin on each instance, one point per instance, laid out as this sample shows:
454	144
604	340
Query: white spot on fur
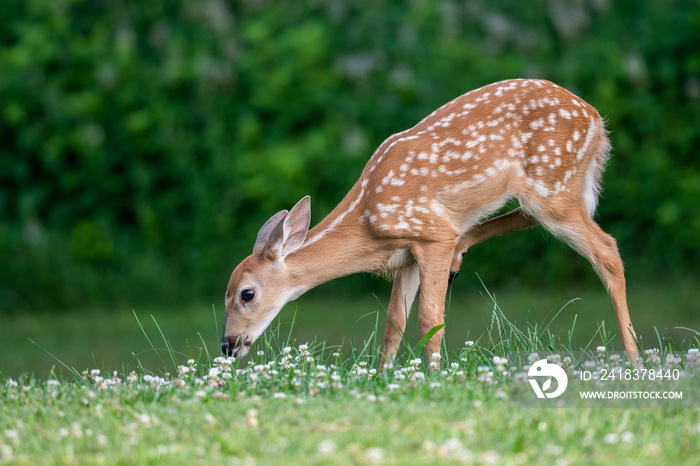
589	138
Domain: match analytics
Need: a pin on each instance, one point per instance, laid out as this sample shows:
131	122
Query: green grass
324	403
110	339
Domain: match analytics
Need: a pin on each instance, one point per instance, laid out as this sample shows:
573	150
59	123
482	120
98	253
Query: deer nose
226	348
235	345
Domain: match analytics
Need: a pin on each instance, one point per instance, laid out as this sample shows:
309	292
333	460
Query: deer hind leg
516	219
403	293
434	267
588	239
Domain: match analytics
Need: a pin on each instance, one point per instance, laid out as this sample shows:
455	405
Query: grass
322	403
112	340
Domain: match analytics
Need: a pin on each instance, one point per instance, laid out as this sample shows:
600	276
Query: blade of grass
72	370
168	347
424	341
147	339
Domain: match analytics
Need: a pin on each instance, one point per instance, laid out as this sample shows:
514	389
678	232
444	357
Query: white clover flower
434	385
672	360
627	437
375	455
436	356
601	349
490	457
94	373
554	358
361	371
533	358
252	418
326	447
393	386
653	356
415	362
434	364
468	343
499	361
144	419
279	395
419	375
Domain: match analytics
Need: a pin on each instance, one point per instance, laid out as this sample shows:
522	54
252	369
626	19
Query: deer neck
339	245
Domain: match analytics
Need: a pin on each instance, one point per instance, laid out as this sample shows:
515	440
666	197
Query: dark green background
143	143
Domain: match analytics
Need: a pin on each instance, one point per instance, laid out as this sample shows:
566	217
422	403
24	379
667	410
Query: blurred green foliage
142	144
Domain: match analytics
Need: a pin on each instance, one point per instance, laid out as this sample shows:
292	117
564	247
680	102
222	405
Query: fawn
419	204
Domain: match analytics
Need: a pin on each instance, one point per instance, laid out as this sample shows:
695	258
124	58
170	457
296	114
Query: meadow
323	401
112	339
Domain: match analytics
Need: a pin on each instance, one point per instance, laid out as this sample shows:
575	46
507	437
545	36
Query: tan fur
419	203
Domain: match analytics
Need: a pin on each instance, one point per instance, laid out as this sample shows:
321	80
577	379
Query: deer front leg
434	266
514	220
403	292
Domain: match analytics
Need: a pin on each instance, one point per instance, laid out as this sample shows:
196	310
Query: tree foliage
144	143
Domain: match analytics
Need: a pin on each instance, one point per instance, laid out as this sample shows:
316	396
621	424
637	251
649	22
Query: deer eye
247	295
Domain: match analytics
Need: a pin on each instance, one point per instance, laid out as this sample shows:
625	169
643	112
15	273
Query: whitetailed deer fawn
417	206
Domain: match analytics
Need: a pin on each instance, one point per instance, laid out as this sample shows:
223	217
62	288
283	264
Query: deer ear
267	229
289	234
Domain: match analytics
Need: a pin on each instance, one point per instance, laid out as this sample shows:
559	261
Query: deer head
262	284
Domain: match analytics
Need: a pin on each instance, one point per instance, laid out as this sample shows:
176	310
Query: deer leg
588	239
403	292
434	266
514	220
